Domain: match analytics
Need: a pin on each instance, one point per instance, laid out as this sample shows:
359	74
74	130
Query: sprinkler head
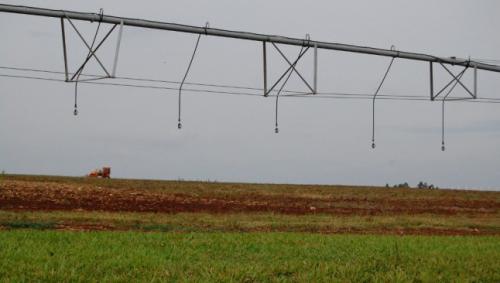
276	130
179	126
75	112
443	148
373	145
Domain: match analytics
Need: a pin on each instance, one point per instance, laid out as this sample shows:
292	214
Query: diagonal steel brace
92	52
293	67
286	72
433	97
457	79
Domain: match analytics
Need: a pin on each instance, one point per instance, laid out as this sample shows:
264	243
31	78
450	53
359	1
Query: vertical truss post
117	52
475	81
264	61
431	80
65	54
315	69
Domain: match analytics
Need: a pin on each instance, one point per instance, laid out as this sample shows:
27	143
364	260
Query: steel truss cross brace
92	52
455	79
291	68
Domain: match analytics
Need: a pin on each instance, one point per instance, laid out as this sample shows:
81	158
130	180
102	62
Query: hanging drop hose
75	111
375	96
276	129
301	53
101	13
179	124
443	148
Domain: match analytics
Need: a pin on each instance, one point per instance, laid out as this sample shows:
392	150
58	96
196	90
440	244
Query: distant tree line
420	185
424	185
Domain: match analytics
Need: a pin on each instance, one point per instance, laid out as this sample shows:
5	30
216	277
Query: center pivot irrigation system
274	89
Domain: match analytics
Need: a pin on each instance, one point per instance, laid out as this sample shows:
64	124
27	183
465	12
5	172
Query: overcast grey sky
231	138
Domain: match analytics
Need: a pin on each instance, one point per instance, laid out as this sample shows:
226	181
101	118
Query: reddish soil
47	196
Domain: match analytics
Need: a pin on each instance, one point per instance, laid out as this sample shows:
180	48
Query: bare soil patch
48	196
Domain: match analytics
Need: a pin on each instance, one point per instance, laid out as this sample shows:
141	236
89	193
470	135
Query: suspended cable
375	97
344	96
147	80
293	93
202	84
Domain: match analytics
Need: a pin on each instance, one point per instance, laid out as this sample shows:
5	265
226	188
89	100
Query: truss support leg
475	81
431	80
264	64
315	86
117	52
65	52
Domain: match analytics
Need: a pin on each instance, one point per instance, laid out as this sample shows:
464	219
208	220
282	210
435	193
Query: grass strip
248	222
52	256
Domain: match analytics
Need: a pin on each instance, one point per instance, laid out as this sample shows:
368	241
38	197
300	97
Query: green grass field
54	256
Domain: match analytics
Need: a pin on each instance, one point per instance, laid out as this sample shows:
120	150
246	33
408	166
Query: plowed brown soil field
25	195
21	193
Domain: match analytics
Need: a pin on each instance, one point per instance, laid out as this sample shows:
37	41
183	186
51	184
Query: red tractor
105	172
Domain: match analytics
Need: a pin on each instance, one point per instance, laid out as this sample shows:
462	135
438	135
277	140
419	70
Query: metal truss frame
457	79
92	52
291	67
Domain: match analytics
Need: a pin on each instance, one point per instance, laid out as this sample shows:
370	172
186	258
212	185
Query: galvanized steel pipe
243	35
